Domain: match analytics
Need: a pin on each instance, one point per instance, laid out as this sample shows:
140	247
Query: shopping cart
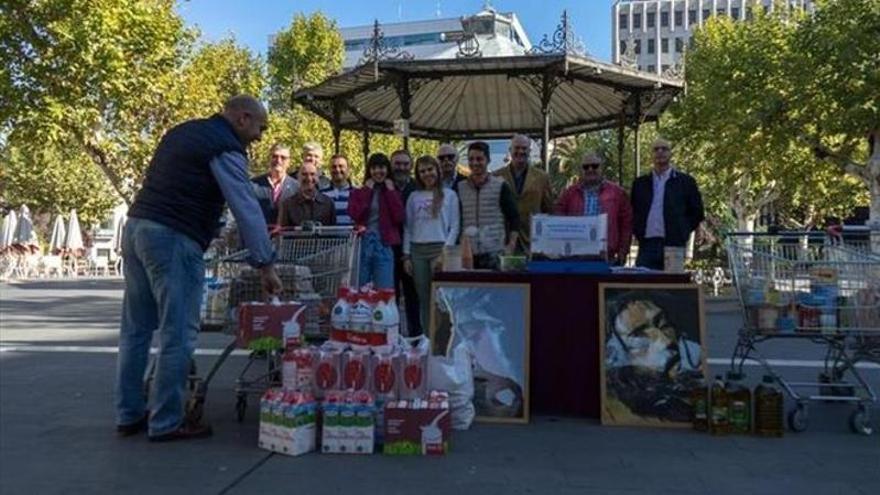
312	262
810	286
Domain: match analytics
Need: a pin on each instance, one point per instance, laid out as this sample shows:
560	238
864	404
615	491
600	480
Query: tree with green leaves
727	133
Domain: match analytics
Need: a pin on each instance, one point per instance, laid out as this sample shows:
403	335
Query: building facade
652	35
497	34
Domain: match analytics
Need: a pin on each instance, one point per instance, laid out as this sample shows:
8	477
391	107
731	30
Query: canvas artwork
652	352
492	320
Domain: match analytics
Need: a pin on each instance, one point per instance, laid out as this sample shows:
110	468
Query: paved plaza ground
57	362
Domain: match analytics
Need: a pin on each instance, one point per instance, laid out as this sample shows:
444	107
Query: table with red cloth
564	363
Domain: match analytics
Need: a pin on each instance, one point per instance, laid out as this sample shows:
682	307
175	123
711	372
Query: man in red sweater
594	195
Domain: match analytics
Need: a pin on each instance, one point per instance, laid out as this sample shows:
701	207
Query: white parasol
59	231
7	232
25	235
73	240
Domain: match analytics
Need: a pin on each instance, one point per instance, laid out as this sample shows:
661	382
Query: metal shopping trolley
312	262
809	286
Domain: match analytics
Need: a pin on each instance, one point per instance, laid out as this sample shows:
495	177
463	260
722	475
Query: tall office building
652	35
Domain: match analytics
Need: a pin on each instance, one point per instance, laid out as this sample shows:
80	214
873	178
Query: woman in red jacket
377	207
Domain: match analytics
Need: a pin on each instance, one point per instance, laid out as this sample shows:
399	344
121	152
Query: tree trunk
873	175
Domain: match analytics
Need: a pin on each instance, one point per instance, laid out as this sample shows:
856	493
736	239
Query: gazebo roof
490	97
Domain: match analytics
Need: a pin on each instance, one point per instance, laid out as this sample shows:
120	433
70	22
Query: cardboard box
287	422
417	427
283	321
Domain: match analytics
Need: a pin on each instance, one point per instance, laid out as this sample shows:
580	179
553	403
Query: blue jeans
377	262
164	276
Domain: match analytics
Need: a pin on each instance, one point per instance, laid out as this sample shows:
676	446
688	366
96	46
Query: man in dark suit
667	208
275	186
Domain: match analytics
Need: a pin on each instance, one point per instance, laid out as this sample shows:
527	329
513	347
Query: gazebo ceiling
484	98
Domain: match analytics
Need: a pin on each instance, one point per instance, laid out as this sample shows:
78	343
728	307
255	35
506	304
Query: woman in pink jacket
378	208
594	195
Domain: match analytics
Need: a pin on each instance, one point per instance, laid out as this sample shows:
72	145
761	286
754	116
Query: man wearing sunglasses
447	155
594	195
667	208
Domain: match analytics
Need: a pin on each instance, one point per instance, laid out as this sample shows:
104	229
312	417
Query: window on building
640	67
664	68
692	17
707	14
679	45
638	48
766	9
664	45
622	46
679	17
652	47
623	20
691	42
664	19
721	12
734	12
749	14
637	20
652	20
652	68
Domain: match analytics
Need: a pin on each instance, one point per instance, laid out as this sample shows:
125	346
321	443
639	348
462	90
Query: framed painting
493	320
652	352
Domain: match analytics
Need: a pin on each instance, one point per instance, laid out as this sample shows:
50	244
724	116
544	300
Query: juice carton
414	366
356	369
385	374
328	363
305	359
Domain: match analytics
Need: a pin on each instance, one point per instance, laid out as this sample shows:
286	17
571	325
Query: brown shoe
184	432
139	426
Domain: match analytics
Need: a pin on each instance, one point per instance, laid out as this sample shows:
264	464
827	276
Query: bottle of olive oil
719	407
740	404
769	409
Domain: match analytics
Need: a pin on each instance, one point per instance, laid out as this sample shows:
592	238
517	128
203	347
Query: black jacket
682	206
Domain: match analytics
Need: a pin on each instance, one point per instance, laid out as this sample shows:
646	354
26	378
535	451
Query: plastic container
769	409
341	314
740	404
700	403
719	405
361	312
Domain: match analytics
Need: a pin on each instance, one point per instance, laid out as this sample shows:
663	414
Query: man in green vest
489	216
530	185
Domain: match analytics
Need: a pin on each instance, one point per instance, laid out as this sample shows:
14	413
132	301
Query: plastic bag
455	375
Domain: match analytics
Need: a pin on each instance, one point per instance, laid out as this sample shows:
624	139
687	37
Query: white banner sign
565	237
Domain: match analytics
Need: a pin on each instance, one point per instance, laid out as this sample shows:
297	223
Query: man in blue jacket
198	167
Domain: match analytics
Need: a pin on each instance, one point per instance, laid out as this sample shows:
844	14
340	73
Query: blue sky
251	22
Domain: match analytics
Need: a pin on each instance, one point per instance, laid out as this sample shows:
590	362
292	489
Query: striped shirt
591	201
340	202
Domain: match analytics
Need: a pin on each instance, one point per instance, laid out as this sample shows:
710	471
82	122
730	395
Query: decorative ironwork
469	46
676	71
629	59
563	41
378	49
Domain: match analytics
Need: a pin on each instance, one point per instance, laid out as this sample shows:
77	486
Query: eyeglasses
404	163
591	166
661	148
446	157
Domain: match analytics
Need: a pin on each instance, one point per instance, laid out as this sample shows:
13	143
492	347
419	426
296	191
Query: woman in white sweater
432	223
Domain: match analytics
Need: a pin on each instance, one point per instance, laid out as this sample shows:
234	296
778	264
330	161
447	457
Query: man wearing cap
594	195
530	186
447	155
667	208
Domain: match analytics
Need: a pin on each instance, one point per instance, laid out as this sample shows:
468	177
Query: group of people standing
408	221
